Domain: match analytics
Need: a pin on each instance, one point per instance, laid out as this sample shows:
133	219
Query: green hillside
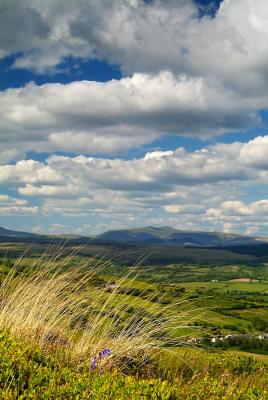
27	372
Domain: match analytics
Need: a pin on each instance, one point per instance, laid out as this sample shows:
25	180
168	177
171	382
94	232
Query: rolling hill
16	234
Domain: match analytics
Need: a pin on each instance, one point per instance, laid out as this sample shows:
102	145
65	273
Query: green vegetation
58	314
244	343
26	372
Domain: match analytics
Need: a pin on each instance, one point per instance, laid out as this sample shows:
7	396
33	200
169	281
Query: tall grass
63	310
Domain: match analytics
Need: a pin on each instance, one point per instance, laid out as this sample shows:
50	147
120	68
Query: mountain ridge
170	236
150	235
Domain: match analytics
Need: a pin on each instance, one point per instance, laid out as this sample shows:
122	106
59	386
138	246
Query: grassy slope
27	373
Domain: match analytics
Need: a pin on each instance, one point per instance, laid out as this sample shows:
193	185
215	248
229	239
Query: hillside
21	236
18	234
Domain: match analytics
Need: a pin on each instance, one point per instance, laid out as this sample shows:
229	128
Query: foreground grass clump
72	312
27	373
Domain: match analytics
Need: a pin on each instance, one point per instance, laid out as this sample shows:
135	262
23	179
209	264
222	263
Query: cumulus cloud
143	37
164	185
252	215
156	171
212	87
119	31
28	171
255	152
111	117
26	19
13	206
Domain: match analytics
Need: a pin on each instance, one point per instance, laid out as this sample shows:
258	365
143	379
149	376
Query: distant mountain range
163	236
173	237
159	246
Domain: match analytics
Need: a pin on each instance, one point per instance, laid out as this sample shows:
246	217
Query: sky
123	113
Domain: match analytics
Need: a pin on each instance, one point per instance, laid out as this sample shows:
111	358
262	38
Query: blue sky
133	113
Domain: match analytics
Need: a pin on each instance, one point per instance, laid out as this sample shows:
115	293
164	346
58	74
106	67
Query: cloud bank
214	183
115	116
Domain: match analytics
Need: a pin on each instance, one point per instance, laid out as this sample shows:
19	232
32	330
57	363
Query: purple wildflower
102	354
93	364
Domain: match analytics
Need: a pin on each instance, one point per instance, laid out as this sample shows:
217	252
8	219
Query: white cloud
28	171
255	152
117	30
212	87
143	37
239	208
13	206
203	189
159	171
157	154
114	116
247	217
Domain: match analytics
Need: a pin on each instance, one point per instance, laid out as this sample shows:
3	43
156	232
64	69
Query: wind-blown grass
63	310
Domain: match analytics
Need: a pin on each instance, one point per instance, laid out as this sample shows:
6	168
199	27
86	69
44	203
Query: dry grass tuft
62	310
